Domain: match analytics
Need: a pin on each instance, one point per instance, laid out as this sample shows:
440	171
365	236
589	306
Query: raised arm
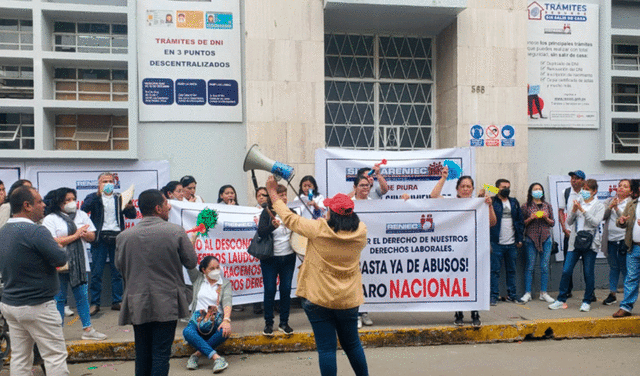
435	192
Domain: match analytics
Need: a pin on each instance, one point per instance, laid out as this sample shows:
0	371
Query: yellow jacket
330	274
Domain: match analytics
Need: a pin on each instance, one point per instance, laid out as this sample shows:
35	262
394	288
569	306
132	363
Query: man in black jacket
104	207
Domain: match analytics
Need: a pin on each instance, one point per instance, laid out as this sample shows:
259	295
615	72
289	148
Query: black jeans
153	347
565	248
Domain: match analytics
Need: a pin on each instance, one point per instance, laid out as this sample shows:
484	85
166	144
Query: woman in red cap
329	280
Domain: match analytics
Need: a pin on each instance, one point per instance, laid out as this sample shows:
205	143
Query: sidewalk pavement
506	322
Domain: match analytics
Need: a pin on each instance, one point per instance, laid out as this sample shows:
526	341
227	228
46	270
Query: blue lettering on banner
239	226
565	7
560	17
191	92
425	225
223	92
157	91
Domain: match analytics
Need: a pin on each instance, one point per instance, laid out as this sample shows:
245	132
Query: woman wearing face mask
586	215
189	189
227	195
614	248
73	230
538	222
212	302
173	191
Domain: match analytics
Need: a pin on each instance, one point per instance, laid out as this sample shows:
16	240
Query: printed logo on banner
239	226
493	132
476	132
93	184
535	11
431	172
507	135
425	225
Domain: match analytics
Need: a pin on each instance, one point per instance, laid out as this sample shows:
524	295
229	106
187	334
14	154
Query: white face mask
214	275
70	207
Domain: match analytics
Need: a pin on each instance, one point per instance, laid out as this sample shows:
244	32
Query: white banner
563	55
423	255
228	241
189	61
607	187
412	172
83	177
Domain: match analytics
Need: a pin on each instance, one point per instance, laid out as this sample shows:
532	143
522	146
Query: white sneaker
92	335
68	312
366	319
526	298
546	297
558	305
585	307
359	322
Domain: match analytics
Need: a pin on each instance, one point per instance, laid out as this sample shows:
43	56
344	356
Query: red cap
339	204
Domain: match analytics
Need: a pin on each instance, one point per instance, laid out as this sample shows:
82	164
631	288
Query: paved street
611	356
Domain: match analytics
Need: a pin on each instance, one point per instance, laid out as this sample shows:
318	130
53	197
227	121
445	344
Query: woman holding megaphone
329	280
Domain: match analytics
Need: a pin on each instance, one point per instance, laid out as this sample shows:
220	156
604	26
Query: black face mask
505	192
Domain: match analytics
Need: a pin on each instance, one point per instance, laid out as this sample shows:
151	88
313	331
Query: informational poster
189	61
412	172
563	54
421	255
492	135
83	177
607	187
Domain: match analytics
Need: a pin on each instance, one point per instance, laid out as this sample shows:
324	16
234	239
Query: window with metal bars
378	92
90	37
16	34
16	131
91	84
16	82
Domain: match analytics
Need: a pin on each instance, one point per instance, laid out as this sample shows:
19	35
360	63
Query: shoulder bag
262	247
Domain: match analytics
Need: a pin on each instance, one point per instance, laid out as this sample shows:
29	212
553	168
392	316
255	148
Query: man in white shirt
629	220
570	195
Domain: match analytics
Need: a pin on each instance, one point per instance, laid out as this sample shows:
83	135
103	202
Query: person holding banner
173	190
362	187
189	189
584	219
278	267
330	280
376	190
464	189
538	223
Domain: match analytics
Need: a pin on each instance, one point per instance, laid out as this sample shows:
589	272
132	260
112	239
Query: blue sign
223	92
509	142
157	91
508	131
477	131
191	92
474	142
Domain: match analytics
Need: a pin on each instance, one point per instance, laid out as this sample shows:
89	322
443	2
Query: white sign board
563	56
189	61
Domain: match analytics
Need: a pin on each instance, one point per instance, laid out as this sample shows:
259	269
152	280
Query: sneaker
475	319
585	307
610	299
359	322
458	319
237	308
517	300
493	302
621	313
593	298
546	297
94	309
525	298
68	312
92	335
285	328
268	330
192	363
366	320
219	365
558	305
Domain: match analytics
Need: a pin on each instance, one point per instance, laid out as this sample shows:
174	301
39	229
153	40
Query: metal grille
16	131
90	37
378	92
91	84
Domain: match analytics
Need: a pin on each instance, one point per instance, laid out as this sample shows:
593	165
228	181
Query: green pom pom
209	218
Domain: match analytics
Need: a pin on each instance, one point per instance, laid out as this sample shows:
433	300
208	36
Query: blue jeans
617	264
80	294
326	323
272	268
509	254
545	255
588	262
205	344
99	253
631	282
153	347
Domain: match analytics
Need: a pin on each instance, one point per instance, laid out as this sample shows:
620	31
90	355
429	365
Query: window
626	97
626	137
625	56
378	92
16	131
16	34
91	132
90	37
91	84
16	82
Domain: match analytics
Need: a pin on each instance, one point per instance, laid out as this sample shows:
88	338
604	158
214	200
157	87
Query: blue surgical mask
585	194
537	194
107	189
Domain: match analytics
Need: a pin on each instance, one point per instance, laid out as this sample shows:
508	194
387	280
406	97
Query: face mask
107	189
505	192
214	274
585	194
70	207
536	194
